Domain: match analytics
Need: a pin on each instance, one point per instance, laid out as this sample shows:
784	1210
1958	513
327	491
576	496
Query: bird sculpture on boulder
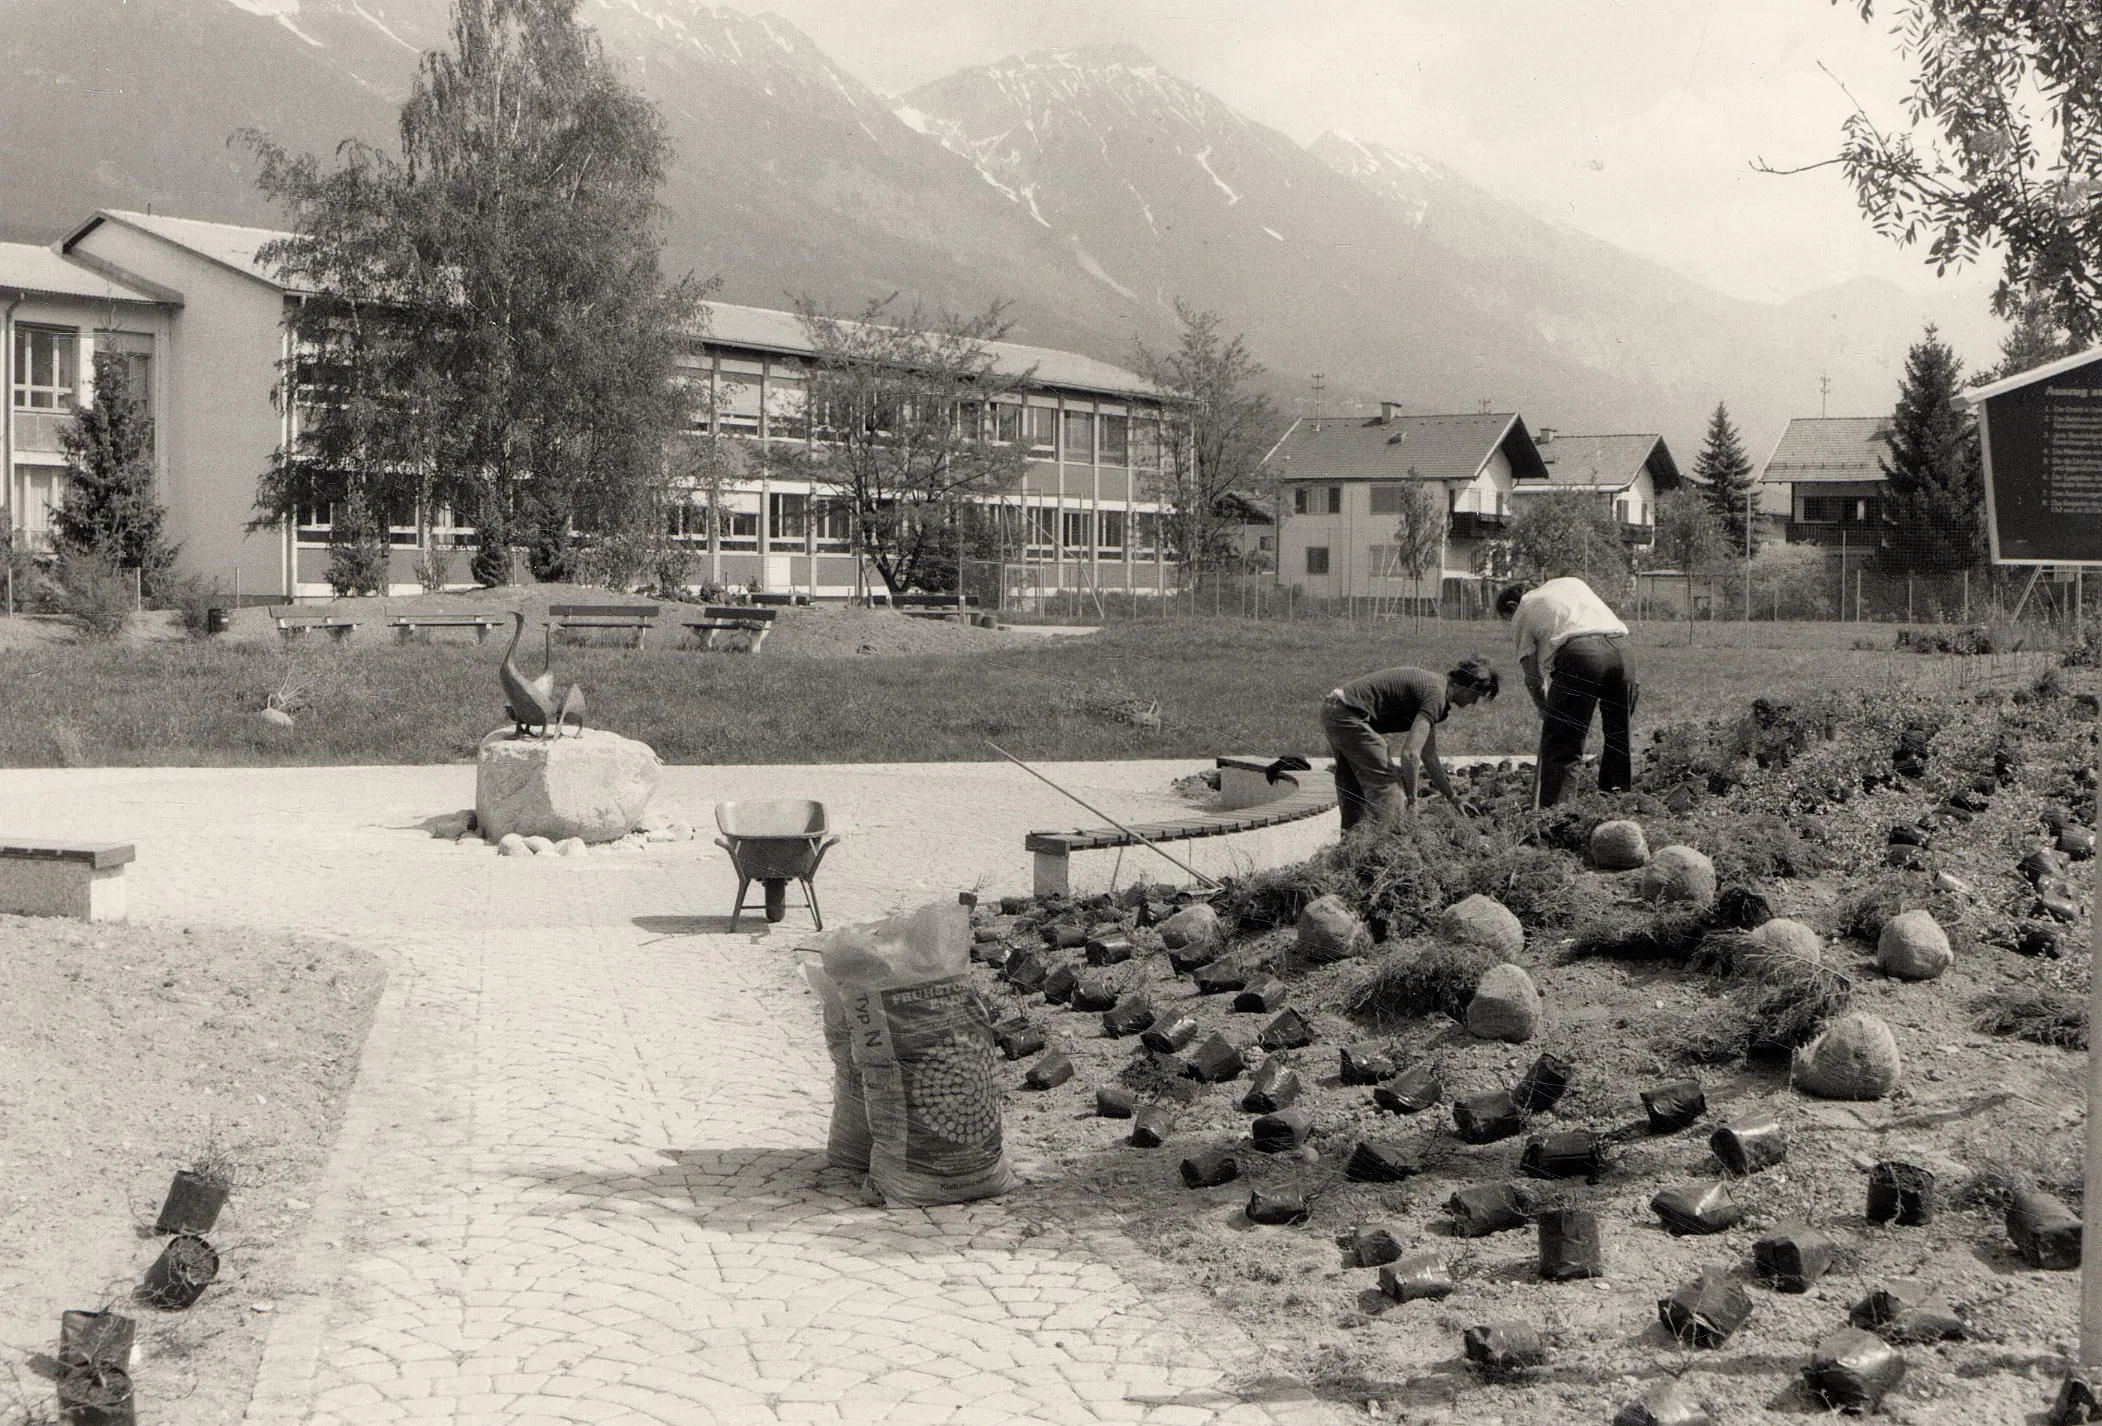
532	705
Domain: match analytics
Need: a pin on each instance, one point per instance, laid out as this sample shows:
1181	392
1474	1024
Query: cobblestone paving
581	1178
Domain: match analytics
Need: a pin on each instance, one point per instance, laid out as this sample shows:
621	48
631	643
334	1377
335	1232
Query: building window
1317	500
1007	423
1386	499
47	368
1385	562
1317	559
1079	433
1145	442
1114	432
1040	431
1113	530
1078	529
1622	512
1841	510
1266	542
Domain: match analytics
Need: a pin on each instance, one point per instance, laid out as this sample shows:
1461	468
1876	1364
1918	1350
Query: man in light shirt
1569	647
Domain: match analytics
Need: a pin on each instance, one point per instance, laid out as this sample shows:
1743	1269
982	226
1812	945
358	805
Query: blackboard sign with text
2042	439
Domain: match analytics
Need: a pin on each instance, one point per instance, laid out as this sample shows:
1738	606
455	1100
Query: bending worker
1569	647
1359	717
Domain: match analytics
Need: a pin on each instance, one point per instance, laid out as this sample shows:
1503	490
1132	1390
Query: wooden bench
407	624
1292	799
780	598
733	619
640	618
934	606
292	620
84	880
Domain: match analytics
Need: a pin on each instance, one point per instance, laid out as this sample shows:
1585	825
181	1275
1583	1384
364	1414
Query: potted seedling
198	1192
96	1394
94	1337
179	1276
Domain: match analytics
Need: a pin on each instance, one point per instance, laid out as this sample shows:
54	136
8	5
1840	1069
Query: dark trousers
1368	785
1587	673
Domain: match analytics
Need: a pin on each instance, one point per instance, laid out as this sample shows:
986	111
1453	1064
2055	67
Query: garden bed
135	1051
1636	997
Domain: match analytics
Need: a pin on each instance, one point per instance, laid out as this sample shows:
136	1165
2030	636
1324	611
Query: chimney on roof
1389	412
1544	436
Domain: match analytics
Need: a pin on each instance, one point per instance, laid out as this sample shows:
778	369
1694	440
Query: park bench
407	624
292	620
79	879
934	606
733	618
780	598
1289	800
640	618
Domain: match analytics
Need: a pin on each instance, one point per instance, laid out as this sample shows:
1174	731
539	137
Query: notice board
2042	443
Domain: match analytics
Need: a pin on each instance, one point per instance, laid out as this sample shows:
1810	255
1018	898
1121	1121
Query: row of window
1842	510
1385	499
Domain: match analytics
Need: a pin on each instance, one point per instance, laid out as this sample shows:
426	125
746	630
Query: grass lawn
1221	685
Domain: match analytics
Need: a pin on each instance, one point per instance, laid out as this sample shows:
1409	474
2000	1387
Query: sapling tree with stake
1419	534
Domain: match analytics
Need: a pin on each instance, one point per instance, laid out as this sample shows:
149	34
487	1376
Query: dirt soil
129	1052
1984	1113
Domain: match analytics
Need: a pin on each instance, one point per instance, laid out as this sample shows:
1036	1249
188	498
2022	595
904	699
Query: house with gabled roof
1625	473
1085	515
1824	481
1341	480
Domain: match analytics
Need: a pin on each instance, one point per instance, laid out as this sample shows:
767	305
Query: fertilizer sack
922	1043
847	1145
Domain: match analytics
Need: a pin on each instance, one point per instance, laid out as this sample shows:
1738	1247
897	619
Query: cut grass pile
1219	685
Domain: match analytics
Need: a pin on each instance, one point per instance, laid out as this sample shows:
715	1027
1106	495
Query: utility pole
1824	389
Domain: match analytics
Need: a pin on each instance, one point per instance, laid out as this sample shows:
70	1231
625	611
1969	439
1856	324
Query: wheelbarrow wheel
776	898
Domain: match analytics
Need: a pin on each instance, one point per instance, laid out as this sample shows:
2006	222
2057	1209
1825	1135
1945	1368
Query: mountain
1091	188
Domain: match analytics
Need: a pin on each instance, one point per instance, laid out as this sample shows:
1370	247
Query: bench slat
98	855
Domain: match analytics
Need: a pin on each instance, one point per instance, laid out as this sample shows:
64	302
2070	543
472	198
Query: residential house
55	318
1824	482
208	323
1343	479
1626	473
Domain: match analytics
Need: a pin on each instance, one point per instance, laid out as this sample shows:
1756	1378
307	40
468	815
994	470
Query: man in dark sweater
1359	717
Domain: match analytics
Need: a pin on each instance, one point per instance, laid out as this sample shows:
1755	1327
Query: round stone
1330	931
1506	1006
1618	846
1855	1058
1679	876
1483	921
1913	946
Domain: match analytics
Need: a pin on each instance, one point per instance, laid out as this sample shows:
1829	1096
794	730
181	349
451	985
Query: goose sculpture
532	705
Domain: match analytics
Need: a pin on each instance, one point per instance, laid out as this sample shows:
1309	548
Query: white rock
1913	946
274	717
1330	931
540	846
1195	925
1506	1006
1483	921
570	847
512	845
1679	876
1618	846
596	787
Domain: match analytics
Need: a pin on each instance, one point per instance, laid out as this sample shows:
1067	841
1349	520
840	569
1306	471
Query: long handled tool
1136	837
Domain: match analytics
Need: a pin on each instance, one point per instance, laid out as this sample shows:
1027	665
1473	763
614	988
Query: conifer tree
109	509
1726	479
1934	507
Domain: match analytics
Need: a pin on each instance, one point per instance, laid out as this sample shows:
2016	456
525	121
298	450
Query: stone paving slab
581	1177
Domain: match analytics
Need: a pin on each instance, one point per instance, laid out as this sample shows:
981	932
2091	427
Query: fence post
1857	595
1966	596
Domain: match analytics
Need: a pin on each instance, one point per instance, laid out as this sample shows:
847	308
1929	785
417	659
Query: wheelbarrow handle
727	845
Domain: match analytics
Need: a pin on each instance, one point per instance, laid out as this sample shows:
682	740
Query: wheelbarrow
774	843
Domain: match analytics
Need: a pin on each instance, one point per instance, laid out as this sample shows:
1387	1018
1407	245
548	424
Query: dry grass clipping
2046	1014
1419	977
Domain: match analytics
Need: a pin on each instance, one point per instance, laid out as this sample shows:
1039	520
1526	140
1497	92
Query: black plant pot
181	1273
94	1339
96	1396
192	1205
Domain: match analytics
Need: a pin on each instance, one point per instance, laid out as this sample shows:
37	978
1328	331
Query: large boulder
1855	1058
1483	921
1505	1005
1619	846
595	786
1913	946
1330	931
1679	876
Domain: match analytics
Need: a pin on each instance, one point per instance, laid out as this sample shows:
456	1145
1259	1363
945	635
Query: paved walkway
581	1177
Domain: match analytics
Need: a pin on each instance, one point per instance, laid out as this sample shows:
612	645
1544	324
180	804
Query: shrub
2046	1013
192	599
95	593
434	567
490	566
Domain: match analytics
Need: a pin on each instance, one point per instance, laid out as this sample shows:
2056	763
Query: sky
1637	121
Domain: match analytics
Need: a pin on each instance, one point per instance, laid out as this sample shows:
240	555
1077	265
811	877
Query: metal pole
1966	596
1025	767
2091	1206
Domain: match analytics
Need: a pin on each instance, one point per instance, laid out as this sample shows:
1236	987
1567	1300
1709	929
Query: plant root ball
1913	946
1618	846
1483	921
1855	1058
1679	876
